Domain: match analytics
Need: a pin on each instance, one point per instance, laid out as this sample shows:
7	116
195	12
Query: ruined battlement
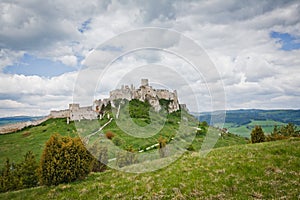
146	92
143	93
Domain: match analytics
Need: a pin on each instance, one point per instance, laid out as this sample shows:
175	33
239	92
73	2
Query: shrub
190	148
9	179
109	135
274	137
27	171
19	176
118	141
63	160
257	135
162	147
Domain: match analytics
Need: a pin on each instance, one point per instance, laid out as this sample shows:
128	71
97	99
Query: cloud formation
257	71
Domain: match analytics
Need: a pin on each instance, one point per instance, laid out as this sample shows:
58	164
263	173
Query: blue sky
287	41
31	65
254	45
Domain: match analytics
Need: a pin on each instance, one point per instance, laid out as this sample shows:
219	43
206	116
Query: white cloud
234	34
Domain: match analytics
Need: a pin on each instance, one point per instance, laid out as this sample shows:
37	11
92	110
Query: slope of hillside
252	171
15	145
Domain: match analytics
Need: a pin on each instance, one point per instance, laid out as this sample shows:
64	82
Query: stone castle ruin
146	92
77	113
143	93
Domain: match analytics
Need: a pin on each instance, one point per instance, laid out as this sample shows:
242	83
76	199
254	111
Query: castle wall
83	113
59	114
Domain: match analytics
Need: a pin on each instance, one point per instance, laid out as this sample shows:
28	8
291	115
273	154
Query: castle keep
143	93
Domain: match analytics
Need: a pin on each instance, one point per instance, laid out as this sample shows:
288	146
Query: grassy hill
15	145
252	171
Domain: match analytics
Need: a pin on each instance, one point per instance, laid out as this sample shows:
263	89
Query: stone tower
144	82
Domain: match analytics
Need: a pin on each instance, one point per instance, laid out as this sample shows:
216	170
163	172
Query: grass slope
15	145
252	171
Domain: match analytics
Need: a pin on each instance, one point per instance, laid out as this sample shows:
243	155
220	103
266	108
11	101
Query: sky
253	49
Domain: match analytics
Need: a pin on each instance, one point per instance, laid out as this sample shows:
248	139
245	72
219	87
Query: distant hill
242	121
16	119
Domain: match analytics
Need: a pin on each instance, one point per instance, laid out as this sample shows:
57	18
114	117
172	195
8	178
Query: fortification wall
83	113
60	113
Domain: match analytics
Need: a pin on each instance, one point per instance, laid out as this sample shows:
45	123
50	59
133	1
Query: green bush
118	141
257	135
64	160
19	176
9	179
27	171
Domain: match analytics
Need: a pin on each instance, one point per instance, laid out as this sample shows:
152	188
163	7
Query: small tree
27	171
162	147
118	141
257	135
8	179
19	176
64	159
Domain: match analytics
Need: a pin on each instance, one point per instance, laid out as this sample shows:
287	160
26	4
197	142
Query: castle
143	93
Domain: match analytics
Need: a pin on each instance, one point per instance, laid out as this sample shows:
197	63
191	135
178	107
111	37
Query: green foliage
139	109
289	130
9	177
284	132
257	135
164	103
19	176
64	160
27	171
190	148
118	141
202	128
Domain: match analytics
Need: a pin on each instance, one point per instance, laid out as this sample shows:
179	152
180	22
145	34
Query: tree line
278	133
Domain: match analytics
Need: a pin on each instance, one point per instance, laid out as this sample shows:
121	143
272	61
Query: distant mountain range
16	119
245	116
241	122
